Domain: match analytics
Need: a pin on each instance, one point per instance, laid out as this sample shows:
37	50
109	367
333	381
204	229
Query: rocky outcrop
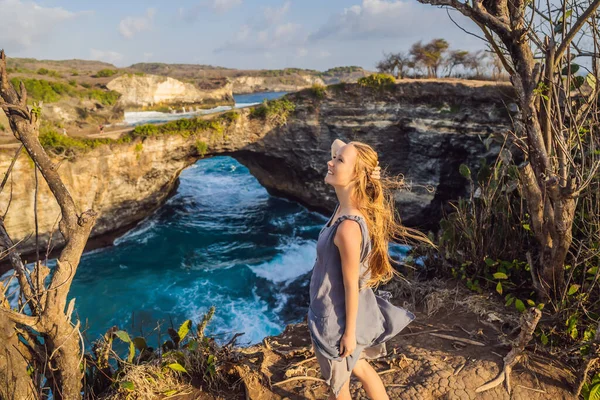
253	84
150	90
423	130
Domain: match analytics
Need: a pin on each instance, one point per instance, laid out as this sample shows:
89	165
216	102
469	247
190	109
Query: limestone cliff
150	90
252	84
424	130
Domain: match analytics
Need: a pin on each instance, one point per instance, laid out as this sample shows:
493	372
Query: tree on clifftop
430	56
556	131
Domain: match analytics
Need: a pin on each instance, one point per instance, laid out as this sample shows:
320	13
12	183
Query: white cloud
111	57
223	5
25	23
129	26
275	15
247	39
301	52
218	6
269	32
323	54
378	19
148	56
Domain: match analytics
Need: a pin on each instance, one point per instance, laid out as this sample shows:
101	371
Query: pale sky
245	34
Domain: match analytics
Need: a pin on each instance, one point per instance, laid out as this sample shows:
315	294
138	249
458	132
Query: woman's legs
370	380
344	393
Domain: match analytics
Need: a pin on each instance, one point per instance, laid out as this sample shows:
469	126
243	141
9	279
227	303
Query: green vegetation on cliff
274	111
51	92
377	81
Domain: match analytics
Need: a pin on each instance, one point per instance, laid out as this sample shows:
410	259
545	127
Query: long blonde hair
375	200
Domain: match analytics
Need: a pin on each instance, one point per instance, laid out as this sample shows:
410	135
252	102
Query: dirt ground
419	364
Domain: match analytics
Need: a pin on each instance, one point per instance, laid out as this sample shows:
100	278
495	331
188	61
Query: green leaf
177	367
573	68
577	81
499	288
592	271
124	336
128	385
558	28
192	345
509	302
595	392
540	306
519	305
131	352
500	275
140	343
170	392
573	289
544	339
489	262
184	329
526	227
591	80
465	171
531	302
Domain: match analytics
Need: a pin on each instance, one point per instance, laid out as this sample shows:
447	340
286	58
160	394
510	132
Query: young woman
348	323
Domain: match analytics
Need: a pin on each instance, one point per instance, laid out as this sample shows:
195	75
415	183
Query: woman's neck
344	196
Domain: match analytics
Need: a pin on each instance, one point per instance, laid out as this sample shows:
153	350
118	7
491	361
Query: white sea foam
232	314
140	234
294	259
141	117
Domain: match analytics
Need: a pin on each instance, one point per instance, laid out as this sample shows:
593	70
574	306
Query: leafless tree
39	343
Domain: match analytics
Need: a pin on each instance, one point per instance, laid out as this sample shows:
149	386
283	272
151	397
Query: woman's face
340	169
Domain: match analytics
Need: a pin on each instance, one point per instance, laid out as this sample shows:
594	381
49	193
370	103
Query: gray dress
377	319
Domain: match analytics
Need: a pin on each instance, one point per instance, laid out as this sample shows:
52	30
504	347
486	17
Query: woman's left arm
348	240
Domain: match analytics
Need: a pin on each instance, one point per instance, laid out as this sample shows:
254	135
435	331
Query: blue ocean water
220	240
133	118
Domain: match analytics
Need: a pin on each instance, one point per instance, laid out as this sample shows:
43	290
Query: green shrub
86	85
183	127
70	146
230	116
145	130
73	82
74	73
139	147
42	71
105	97
377	81
2	128
140	74
39	89
318	90
105	73
275	111
201	147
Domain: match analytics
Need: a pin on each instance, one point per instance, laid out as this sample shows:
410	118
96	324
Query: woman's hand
347	344
337	143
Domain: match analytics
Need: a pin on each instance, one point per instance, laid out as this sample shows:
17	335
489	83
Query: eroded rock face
423	130
252	84
149	90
